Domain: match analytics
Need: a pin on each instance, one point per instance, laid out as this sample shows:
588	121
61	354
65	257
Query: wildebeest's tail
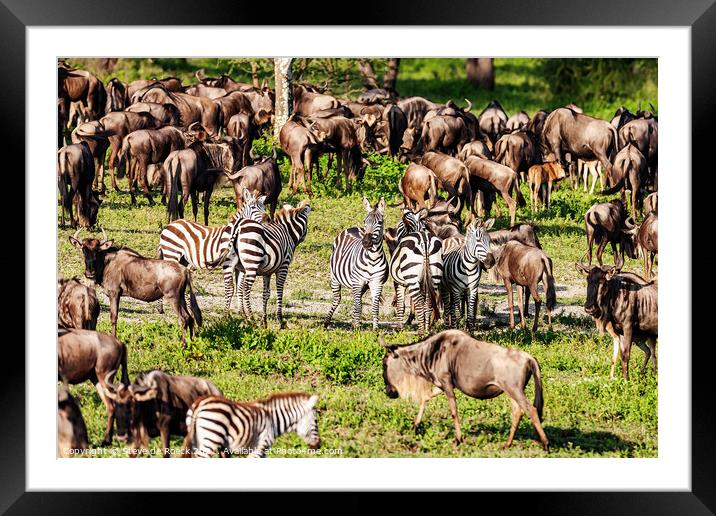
551	294
622	183
195	310
174	173
520	200
123	162
396	139
539	400
500	149
65	197
123	363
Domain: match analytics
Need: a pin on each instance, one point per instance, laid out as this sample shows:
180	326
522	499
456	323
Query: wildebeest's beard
596	283
94	263
123	413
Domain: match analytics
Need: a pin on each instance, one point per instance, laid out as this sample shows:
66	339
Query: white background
671	470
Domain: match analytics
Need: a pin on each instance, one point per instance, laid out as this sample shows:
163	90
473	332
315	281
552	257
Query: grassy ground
585	413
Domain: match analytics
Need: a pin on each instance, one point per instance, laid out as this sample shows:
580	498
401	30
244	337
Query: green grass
586	414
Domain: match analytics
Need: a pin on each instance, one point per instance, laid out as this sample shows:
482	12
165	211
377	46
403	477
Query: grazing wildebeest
77	305
522	232
541	178
526	266
84	355
517	121
518	150
629	173
417	185
155	404
144	147
452	360
126	272
453	177
646	236
95	135
339	134
475	148
493	120
607	223
263	177
442	133
71	428
651	204
489	177
196	169
299	144
306	102
587	167
628	307
75	174
81	86
117	96
581	136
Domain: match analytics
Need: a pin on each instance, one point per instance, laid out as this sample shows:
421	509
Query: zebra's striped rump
462	269
219	425
358	262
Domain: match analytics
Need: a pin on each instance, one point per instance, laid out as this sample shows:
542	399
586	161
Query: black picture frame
699	15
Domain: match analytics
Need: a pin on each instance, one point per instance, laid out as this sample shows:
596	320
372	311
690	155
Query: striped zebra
358	262
417	266
462	269
218	425
282	236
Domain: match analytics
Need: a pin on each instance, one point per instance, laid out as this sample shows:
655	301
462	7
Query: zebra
358	262
218	425
282	236
202	247
417	266
462	269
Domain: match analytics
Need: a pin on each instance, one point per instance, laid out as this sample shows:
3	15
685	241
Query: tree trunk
254	74
284	92
391	76
481	72
369	79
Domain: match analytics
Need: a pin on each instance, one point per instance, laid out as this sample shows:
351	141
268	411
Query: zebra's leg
336	289
471	306
280	282
357	290
267	295
399	304
447	303
376	288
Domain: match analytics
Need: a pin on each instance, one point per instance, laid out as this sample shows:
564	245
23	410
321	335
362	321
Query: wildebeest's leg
164	433
647	354
511	204
518	394
447	387
308	157
625	344
110	412
526	292
207	198
651	342
538	303
516	416
336	289
419	417
615	353
600	250
114	311
266	296
177	303
510	308
144	185
520	306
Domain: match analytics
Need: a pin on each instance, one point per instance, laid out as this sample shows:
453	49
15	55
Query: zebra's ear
366	204
381	205
489	223
311	403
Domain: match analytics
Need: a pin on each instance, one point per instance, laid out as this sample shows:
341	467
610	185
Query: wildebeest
517	121
155	404
117	96
581	136
122	271
306	102
263	177
418	184
167	114
646	236
202	110
541	177
84	355
607	223
518	150
75	174
196	169
622	116
442	133
628	307
475	148
536	123
299	144
339	134
243	129
452	360
201	90
522	232
644	134
71	428
135	89
77	305
95	135
526	266
144	147
629	173
415	109
493	120
453	176
489	177
651	204
81	86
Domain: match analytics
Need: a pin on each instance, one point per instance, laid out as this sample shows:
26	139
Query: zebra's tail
426	284
195	310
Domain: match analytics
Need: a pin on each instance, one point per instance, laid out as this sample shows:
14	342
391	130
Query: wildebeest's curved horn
76	233
629	223
273	154
111	387
653	109
264	83
469	106
104	236
252	155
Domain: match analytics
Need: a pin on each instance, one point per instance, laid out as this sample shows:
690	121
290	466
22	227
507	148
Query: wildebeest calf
608	223
541	177
454	360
